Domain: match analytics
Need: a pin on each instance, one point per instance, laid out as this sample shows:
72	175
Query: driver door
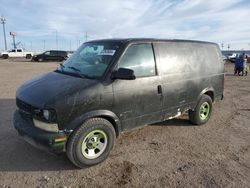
138	102
46	55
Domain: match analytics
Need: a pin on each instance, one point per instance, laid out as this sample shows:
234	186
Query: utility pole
13	34
44	45
86	36
14	42
56	40
3	20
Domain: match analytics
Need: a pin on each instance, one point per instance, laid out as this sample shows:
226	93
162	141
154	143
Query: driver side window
139	58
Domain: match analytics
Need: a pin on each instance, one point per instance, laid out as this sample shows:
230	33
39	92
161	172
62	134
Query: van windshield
91	60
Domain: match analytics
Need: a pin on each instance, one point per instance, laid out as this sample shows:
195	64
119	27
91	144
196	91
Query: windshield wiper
79	72
75	69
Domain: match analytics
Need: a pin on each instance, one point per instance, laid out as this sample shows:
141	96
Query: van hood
44	90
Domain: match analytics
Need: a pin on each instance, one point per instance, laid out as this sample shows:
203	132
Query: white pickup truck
19	52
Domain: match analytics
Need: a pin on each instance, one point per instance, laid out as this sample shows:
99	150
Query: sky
59	24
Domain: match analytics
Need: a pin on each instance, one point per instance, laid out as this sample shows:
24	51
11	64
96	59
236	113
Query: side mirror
123	74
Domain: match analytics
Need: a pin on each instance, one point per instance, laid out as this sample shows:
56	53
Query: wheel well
210	94
5	55
112	121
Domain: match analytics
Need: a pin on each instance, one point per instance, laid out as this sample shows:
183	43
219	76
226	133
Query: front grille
25	108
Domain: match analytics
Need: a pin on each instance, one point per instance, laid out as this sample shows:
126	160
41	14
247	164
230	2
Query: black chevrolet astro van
110	86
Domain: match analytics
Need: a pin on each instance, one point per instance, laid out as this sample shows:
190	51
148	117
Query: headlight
50	127
46	114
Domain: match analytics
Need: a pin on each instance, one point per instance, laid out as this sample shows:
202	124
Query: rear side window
64	54
19	50
186	57
53	53
58	53
61	53
139	58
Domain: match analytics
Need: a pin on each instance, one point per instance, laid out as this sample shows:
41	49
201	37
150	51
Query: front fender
112	117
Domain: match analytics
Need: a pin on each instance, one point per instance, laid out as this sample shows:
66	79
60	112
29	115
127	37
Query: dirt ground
169	154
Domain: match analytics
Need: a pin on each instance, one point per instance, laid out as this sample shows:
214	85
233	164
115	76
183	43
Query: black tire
76	141
40	59
28	56
195	115
5	56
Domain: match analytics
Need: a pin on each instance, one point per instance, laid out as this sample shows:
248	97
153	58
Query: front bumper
52	142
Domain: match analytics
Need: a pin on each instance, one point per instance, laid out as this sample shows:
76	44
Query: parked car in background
224	58
51	55
248	59
70	53
18	52
233	57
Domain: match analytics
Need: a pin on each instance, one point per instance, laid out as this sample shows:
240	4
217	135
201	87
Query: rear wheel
91	143
28	56
202	112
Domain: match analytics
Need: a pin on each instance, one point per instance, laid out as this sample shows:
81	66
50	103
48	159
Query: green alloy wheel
202	112
91	143
94	144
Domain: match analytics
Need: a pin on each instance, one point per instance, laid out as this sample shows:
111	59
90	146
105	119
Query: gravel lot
169	154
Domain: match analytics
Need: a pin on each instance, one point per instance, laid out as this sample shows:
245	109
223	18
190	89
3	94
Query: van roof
125	40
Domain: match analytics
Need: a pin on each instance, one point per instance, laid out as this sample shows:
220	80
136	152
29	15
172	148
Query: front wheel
91	143
202	112
5	56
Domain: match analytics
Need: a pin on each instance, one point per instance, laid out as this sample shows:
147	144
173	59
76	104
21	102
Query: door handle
159	89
